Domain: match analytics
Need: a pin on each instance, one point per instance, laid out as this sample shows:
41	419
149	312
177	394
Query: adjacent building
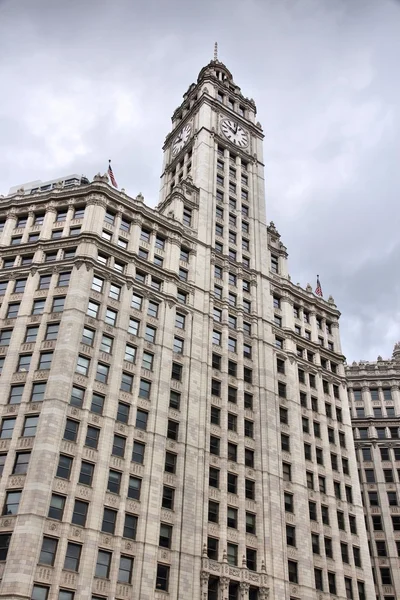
375	408
174	411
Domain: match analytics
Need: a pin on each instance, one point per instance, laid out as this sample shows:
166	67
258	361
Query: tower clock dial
235	133
181	139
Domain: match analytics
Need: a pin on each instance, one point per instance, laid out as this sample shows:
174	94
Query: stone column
204	577
244	590
224	587
9	227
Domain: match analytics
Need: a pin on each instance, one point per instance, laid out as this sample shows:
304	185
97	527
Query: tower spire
216	51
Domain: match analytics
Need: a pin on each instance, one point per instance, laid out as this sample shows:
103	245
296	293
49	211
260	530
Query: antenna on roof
216	51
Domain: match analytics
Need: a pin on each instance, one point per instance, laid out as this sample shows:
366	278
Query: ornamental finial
216	51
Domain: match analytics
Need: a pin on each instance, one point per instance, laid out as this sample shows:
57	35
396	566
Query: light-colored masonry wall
375	408
257	363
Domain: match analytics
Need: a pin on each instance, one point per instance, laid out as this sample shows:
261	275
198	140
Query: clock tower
216	145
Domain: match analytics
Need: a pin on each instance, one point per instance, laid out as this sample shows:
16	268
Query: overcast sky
87	80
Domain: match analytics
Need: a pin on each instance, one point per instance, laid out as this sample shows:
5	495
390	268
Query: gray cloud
89	80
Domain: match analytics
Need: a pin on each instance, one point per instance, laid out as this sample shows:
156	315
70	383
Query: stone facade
375	408
175	418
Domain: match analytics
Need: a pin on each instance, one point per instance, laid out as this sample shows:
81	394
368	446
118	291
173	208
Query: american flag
318	289
111	175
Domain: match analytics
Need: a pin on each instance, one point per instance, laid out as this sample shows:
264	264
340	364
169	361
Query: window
232	452
110	317
232	480
12	311
5	337
216	337
215	417
285	442
178	345
109	520
92	309
16	392
170	462
388	474
103	564
386	577
162	579
292	568
125	225
130	526
340	519
287	471
232	551
48	551
357	556
174	399
290	535
216	361
349	494
213	477
97	403
40	592
353	524
19	286
114	481
56	234
373	498
176	371
134	488
328	547
56	508
126	382
125	569
288	502
77	396
141	419
86	473
369	475
88	336
312	511
133	328
118	448
102	371
251	559
92	437
72	556
144	389
319	582
63	279
24	362
168	497
50	256
71	430
52	331
215	387
218	292
232	344
122	412
307	451
30	426
45	360
165	537
138	452
64	467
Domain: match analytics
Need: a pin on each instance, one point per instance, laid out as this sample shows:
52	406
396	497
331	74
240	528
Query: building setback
375	408
175	418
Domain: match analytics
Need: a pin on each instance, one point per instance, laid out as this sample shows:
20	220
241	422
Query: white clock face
181	139
235	133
